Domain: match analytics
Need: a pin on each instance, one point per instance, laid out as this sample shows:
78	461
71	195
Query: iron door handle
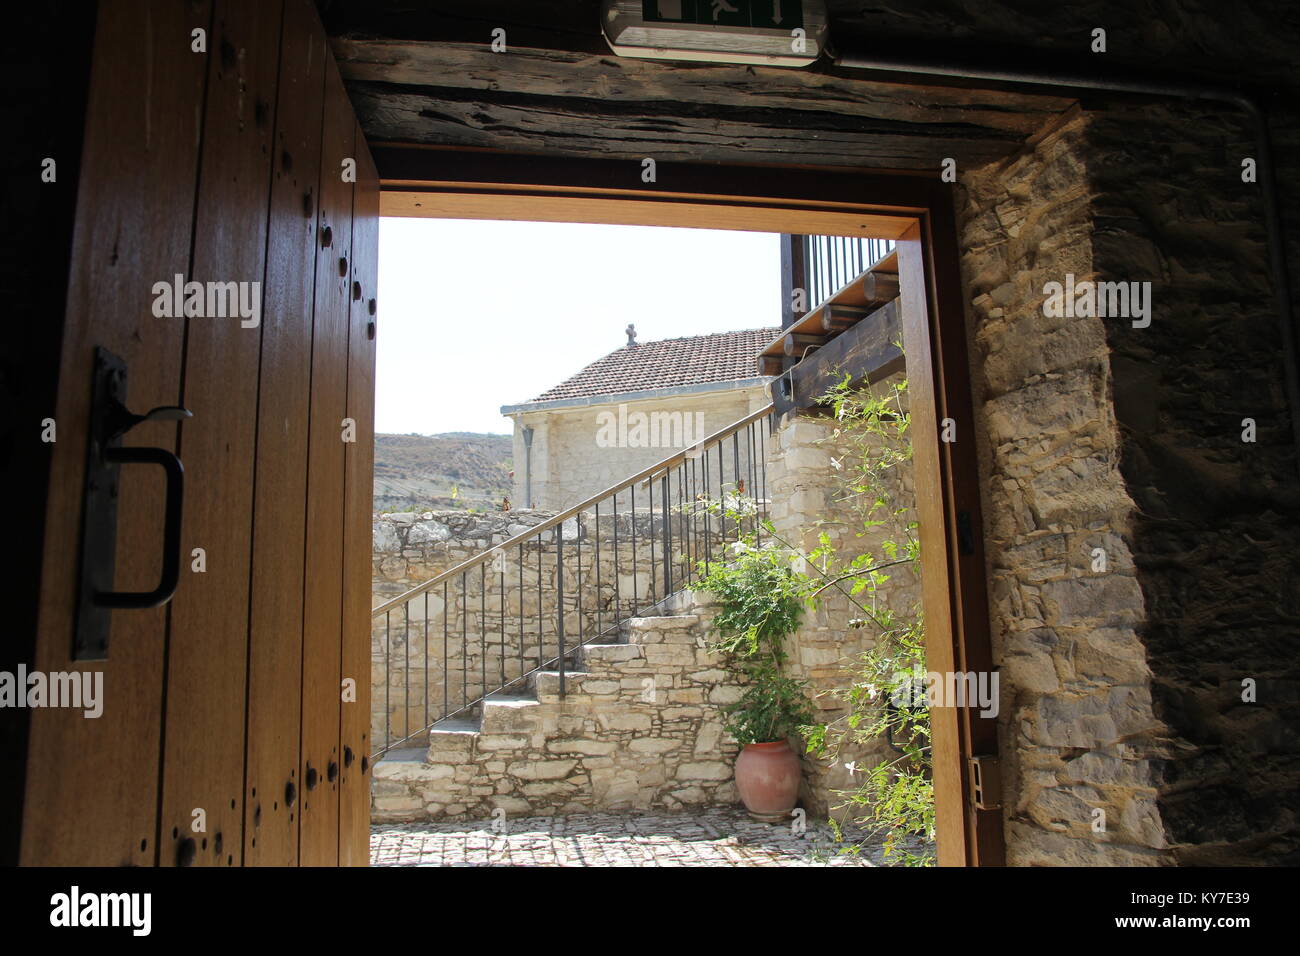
110	420
171	557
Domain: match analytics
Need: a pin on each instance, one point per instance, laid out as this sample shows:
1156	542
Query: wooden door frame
913	209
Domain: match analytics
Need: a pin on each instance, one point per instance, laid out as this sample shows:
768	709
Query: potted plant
760	601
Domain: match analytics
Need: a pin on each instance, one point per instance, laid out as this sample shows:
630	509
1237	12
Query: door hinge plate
986	782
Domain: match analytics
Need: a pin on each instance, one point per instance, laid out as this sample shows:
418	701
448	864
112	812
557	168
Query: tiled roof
695	360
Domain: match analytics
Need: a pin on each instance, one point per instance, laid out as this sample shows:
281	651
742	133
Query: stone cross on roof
631	334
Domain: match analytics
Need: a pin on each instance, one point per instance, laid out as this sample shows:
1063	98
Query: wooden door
354	805
280	488
219	148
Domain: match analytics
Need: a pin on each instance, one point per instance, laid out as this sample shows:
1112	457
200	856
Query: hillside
455	470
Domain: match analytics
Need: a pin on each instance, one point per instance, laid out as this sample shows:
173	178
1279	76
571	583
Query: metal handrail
680	536
698	448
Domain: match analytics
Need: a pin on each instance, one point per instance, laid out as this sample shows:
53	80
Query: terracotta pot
767	776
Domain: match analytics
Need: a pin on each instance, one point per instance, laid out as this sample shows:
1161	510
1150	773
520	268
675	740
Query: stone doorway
462	748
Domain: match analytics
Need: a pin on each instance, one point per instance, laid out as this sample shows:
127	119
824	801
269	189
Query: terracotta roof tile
695	360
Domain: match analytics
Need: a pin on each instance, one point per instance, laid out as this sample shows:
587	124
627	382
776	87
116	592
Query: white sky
477	314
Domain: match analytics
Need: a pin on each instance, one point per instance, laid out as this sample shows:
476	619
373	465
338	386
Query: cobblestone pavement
715	837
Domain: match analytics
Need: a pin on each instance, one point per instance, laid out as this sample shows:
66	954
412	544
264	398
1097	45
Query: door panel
321	759
92	783
279	519
220	165
354	806
203	757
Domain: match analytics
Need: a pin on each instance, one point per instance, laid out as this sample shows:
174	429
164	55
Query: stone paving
714	837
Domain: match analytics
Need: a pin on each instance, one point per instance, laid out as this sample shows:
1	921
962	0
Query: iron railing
530	602
831	262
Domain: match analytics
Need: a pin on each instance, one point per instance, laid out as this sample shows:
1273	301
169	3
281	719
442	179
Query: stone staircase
637	727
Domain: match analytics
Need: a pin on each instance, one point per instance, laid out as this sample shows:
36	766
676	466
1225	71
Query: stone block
653	745
594	748
398	803
541	769
624	721
705	770
660	654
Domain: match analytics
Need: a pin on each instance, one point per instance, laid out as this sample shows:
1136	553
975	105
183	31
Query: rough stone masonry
638	727
1125	734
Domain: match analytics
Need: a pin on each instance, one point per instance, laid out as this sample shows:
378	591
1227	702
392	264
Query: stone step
457	724
503	713
606	654
607	662
668	629
608	745
451	740
404	755
687	602
667	622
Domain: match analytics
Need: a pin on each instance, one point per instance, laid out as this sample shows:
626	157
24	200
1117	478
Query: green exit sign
789	33
768	14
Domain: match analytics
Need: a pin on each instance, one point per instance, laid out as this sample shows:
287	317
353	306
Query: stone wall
1215	534
500	623
807	502
1122	680
1077	727
638	727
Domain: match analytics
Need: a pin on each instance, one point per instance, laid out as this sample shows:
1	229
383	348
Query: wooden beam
836	317
960	471
933	517
572	103
631	211
545	24
880	287
846	303
798	344
867	353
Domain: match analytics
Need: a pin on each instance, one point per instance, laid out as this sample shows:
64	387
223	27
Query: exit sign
768	14
766	32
